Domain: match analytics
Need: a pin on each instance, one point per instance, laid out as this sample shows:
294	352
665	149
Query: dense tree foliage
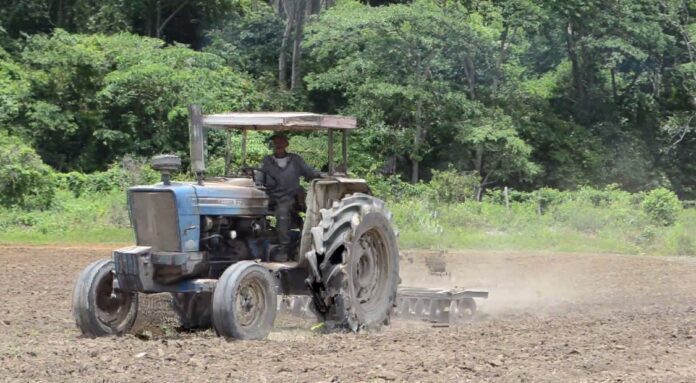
24	180
84	101
174	20
559	93
413	68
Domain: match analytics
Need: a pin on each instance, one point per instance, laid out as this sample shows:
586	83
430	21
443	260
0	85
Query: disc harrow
438	306
450	306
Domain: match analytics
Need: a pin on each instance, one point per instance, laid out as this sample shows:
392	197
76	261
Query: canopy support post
197	138
344	150
244	148
331	164
228	145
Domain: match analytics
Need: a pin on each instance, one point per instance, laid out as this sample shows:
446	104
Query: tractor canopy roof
286	121
278	121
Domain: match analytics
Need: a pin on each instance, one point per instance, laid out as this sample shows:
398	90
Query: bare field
550	317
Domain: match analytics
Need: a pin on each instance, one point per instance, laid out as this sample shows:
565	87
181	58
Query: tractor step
445	306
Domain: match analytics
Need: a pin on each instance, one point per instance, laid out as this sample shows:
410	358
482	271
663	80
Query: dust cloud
537	283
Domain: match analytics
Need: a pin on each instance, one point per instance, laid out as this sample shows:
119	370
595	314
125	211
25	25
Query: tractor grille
155	220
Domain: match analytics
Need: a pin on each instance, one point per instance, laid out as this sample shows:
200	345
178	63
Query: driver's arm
265	166
308	172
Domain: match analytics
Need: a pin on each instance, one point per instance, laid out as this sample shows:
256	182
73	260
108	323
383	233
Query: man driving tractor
282	172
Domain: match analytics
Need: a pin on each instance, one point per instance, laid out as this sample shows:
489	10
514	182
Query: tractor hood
158	210
235	196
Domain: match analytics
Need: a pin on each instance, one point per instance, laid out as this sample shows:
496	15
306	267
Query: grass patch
584	221
576	225
116	236
96	218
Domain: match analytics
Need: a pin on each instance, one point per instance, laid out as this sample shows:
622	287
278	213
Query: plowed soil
550	317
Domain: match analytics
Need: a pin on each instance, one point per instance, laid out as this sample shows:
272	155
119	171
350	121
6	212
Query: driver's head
280	144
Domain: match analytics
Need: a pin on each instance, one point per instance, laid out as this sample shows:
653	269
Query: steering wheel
266	176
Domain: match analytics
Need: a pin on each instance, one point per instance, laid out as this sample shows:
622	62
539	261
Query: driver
282	172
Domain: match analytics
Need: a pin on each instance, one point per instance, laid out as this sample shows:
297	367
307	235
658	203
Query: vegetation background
584	110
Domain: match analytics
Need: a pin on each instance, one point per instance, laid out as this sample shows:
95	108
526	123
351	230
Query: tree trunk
573	56
614	93
414	171
499	63
314	7
416	143
482	187
479	160
479	169
288	6
160	26
297	48
148	19
60	15
158	18
470	72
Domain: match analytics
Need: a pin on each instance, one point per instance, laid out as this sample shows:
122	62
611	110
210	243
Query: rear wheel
98	309
245	302
360	264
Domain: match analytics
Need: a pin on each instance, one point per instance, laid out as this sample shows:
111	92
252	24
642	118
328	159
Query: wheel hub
112	306
250	303
370	266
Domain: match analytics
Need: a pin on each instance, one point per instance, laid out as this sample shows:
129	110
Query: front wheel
98	309
245	302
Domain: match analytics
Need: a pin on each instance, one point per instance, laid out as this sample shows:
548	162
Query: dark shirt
285	182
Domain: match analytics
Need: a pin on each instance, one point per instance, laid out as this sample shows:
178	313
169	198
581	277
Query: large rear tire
97	309
359	262
245	302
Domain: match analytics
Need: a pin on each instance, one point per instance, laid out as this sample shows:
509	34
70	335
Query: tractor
207	243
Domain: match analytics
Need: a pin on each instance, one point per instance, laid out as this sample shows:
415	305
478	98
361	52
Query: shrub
25	181
74	182
112	179
547	197
662	207
138	171
128	172
451	186
394	189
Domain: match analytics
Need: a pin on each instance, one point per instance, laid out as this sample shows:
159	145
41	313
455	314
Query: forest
527	94
457	98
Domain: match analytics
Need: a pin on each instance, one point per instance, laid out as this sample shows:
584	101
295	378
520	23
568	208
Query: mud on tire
359	263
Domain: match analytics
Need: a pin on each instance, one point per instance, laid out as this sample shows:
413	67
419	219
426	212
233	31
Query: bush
138	171
451	186
128	172
74	182
25	181
394	189
662	207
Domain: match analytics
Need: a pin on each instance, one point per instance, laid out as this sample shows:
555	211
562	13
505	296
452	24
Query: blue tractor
207	242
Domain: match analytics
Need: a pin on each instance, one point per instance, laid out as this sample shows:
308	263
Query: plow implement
438	306
447	306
